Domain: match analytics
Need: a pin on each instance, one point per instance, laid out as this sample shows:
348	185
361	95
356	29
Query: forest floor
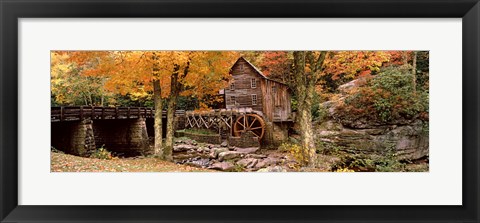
68	163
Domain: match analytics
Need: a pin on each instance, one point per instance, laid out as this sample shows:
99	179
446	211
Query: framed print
239	111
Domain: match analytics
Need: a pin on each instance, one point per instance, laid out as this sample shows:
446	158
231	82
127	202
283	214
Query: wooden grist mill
253	103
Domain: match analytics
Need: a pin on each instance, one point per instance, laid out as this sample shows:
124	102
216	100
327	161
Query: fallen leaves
69	163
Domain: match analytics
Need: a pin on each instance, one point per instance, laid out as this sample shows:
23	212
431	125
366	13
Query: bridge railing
83	112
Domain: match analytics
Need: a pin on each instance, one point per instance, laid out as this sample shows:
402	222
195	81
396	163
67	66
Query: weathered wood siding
276	101
242	75
273	98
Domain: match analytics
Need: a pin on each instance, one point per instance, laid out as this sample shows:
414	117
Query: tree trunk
171	107
305	81
168	150
405	57
414	71
85	99
157	98
303	86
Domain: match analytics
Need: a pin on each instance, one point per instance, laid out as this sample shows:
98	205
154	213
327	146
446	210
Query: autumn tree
70	86
414	71
197	73
165	74
308	66
277	65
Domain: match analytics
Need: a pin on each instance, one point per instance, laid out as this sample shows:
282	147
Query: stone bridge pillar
127	137
73	137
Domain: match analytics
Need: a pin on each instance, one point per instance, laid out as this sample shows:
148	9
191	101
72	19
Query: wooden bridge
80	130
75	113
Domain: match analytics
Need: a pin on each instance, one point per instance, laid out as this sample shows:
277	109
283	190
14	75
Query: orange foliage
352	64
132	71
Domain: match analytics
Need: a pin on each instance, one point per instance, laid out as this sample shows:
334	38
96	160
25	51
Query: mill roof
258	71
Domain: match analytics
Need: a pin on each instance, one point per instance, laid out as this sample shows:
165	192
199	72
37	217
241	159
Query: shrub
55	150
386	162
102	153
385	98
299	154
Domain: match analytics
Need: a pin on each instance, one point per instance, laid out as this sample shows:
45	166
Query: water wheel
249	123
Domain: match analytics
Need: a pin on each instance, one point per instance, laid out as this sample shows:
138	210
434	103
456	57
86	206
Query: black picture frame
11	11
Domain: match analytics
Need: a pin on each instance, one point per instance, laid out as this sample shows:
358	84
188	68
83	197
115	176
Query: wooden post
93	112
128	112
61	113
81	112
138	115
103	112
116	112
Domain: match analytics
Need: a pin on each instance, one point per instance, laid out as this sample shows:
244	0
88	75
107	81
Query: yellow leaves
132	72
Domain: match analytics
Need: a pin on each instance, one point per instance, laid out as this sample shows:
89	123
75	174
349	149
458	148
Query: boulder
215	151
273	169
198	162
178	141
224	144
409	141
183	147
224	166
247	150
247	162
349	86
269	161
228	155
256	156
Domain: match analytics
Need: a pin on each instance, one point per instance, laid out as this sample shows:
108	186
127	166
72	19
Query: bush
102	153
55	150
386	162
297	152
385	98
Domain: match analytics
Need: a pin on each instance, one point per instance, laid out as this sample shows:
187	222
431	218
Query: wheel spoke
251	124
256	128
240	123
244	122
255	134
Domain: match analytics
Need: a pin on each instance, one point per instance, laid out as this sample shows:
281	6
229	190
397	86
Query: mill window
232	100
232	86
254	83
254	99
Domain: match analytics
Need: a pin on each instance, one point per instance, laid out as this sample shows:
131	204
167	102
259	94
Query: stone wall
179	122
74	137
245	140
275	134
212	139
